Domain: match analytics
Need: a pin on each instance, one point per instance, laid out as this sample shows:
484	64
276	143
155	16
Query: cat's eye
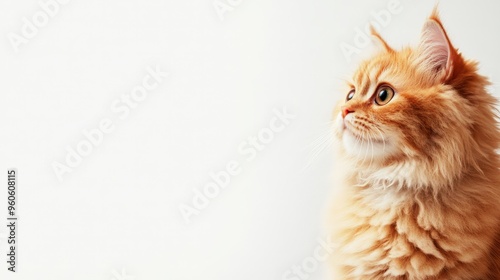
350	95
384	95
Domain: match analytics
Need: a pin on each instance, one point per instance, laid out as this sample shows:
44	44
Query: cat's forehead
391	69
370	72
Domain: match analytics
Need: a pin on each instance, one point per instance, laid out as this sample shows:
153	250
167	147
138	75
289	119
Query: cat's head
419	115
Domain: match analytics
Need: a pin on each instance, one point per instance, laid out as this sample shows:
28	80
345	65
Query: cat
418	173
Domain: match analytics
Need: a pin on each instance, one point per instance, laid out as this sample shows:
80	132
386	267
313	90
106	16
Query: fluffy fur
418	178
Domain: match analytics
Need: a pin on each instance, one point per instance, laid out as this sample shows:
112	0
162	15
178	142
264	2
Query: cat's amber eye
350	95
384	95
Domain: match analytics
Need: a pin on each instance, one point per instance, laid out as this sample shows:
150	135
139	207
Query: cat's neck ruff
409	174
386	185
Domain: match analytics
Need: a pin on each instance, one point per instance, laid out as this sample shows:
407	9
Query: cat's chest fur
387	234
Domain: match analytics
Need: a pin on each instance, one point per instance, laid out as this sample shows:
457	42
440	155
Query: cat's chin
365	149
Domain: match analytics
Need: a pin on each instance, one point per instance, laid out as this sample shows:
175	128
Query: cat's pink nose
346	111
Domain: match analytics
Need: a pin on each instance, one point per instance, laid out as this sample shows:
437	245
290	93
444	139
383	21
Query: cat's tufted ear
436	53
379	41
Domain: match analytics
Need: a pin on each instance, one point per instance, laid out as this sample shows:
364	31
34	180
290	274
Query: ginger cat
418	191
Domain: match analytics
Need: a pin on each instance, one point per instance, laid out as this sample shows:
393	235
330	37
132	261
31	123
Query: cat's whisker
318	148
358	142
369	149
361	142
327	134
372	136
322	143
363	138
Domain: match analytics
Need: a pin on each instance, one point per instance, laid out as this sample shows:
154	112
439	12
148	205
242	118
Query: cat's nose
346	111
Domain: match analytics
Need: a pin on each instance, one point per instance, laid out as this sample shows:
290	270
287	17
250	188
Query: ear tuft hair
378	40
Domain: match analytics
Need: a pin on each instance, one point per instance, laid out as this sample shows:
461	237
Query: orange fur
418	178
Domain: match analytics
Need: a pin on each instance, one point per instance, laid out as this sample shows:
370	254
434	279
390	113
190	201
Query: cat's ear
379	41
436	52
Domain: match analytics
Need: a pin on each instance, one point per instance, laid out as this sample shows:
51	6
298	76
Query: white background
117	213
